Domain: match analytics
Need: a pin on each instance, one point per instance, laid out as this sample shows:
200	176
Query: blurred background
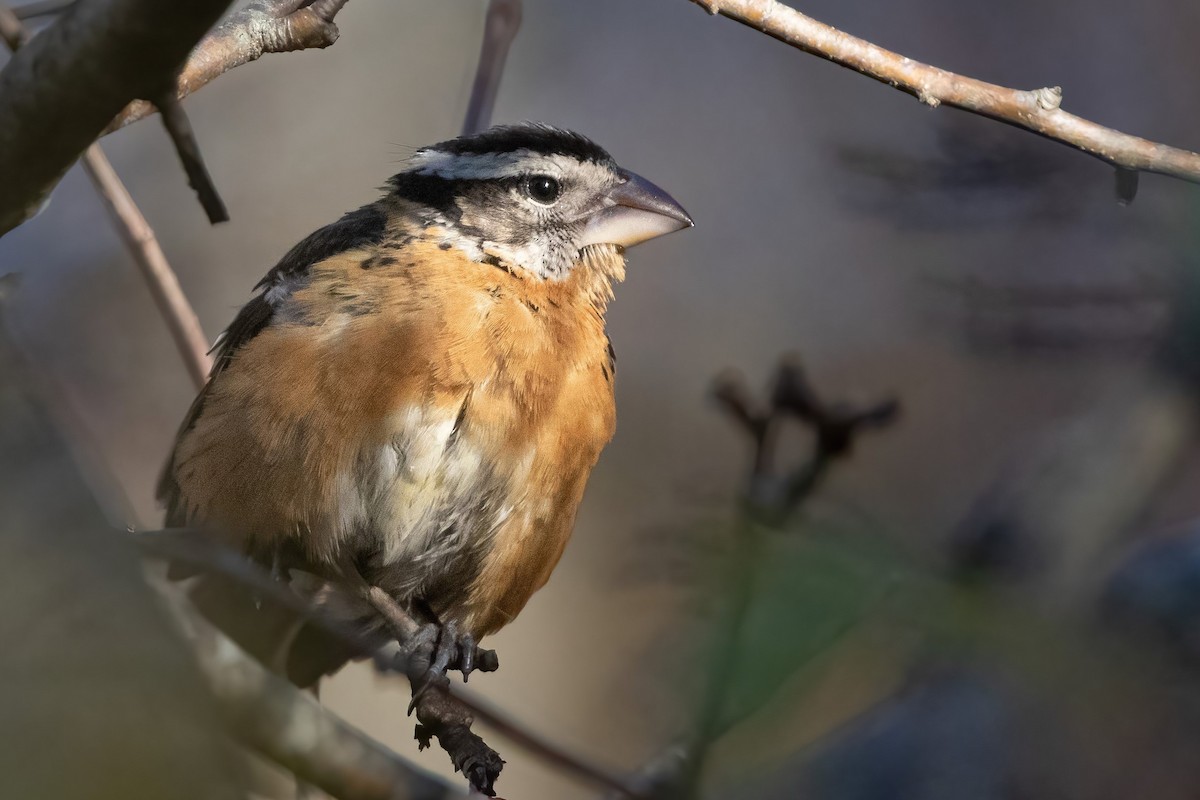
988	279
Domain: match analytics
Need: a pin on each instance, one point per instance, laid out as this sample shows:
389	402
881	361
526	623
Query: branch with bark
445	713
139	237
54	100
272	717
58	103
1036	110
262	27
179	128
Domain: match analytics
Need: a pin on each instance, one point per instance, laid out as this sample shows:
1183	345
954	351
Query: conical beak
637	211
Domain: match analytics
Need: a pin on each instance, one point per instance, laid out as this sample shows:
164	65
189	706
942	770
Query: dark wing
360	228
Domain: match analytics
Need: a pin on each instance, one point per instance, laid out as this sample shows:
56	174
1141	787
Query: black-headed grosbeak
420	389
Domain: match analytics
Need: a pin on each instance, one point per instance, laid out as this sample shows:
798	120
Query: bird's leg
426	645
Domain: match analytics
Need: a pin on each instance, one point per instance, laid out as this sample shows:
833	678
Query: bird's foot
436	649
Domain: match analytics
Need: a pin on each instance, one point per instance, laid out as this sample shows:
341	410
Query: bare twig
500	28
545	749
179	128
199	551
264	26
54	100
160	278
772	496
1037	110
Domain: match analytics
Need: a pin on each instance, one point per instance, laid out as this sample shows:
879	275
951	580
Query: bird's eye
543	189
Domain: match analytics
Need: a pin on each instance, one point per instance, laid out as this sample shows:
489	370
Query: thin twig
773	495
179	128
199	551
139	237
156	270
499	29
1037	110
264	26
544	749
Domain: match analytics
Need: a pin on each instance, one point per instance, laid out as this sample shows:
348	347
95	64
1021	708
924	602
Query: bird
417	393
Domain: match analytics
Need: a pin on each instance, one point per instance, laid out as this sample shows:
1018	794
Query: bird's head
534	197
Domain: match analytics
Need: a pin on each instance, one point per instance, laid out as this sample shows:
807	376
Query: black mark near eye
543	189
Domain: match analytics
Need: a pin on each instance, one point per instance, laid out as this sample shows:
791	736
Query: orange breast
439	414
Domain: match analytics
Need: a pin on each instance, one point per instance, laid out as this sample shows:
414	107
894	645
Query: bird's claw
436	649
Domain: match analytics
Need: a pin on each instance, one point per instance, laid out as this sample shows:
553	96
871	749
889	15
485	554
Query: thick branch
264	26
54	101
272	717
139	238
1037	110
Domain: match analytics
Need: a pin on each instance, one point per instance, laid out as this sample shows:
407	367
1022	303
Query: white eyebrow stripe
483	166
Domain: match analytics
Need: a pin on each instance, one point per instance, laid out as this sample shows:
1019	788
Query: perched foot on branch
425	657
434	649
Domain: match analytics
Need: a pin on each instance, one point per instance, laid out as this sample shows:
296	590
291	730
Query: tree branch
1037	110
139	238
143	245
54	101
772	495
264	26
179	128
288	727
199	551
500	28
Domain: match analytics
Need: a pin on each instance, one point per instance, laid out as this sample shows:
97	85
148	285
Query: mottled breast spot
377	260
